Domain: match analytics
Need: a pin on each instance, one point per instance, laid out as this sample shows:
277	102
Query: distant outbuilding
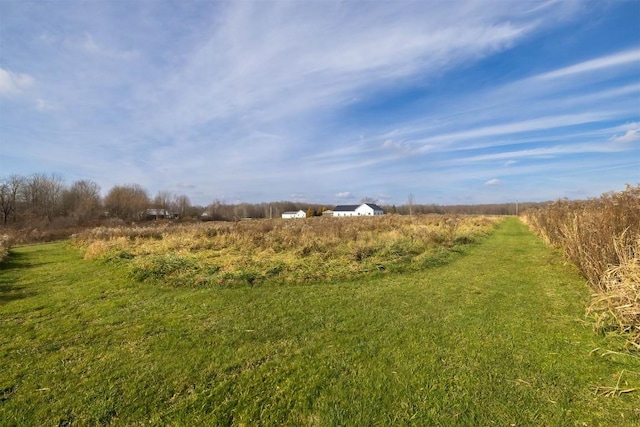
159	214
294	214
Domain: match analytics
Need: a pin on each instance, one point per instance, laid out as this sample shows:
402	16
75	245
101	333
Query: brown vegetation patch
5	245
602	237
282	250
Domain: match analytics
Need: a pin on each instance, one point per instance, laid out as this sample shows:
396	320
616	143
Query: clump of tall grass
617	304
5	245
288	251
602	237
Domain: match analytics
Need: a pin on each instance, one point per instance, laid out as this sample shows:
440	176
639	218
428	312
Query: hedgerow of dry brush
602	237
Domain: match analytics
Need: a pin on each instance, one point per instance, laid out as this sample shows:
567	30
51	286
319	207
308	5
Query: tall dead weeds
5	245
602	237
318	248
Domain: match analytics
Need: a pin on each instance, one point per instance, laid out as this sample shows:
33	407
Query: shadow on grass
8	276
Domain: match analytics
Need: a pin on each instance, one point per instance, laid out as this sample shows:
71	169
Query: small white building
365	209
293	214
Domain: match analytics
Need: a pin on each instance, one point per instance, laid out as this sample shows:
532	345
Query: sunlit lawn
497	336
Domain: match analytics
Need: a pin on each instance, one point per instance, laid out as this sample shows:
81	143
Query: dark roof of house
374	206
346	208
351	208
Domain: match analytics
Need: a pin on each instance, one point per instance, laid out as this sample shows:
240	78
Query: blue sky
329	102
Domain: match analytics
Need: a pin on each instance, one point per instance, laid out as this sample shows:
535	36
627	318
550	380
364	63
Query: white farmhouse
293	214
365	209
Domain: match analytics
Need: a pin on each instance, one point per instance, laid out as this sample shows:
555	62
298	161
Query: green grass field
496	336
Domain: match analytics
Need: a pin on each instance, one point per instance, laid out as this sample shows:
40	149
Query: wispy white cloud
505	120
272	99
280	59
89	45
493	182
43	105
541	152
47	38
468	139
403	148
344	195
543	123
626	126
615	60
12	83
632	135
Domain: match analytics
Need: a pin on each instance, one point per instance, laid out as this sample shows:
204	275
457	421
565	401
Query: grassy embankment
494	336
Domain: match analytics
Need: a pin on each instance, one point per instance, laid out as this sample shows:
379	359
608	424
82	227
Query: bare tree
127	202
182	205
410	203
10	189
162	199
42	195
368	200
82	200
162	203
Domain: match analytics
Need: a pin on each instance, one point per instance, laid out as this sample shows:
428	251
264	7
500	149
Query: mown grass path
495	337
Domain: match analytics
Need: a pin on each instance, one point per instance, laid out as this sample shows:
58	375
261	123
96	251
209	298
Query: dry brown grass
5	245
614	391
602	237
283	250
618	302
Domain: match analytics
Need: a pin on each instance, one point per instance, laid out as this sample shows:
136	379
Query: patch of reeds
602	237
297	251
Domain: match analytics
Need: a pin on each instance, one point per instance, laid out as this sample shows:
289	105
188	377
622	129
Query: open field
496	335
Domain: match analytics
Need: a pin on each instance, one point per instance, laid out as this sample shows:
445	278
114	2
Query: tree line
46	200
41	198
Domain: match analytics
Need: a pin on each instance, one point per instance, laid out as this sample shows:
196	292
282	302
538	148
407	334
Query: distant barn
365	209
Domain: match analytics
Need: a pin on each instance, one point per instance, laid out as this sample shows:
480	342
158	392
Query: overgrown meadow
602	237
301	323
282	251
